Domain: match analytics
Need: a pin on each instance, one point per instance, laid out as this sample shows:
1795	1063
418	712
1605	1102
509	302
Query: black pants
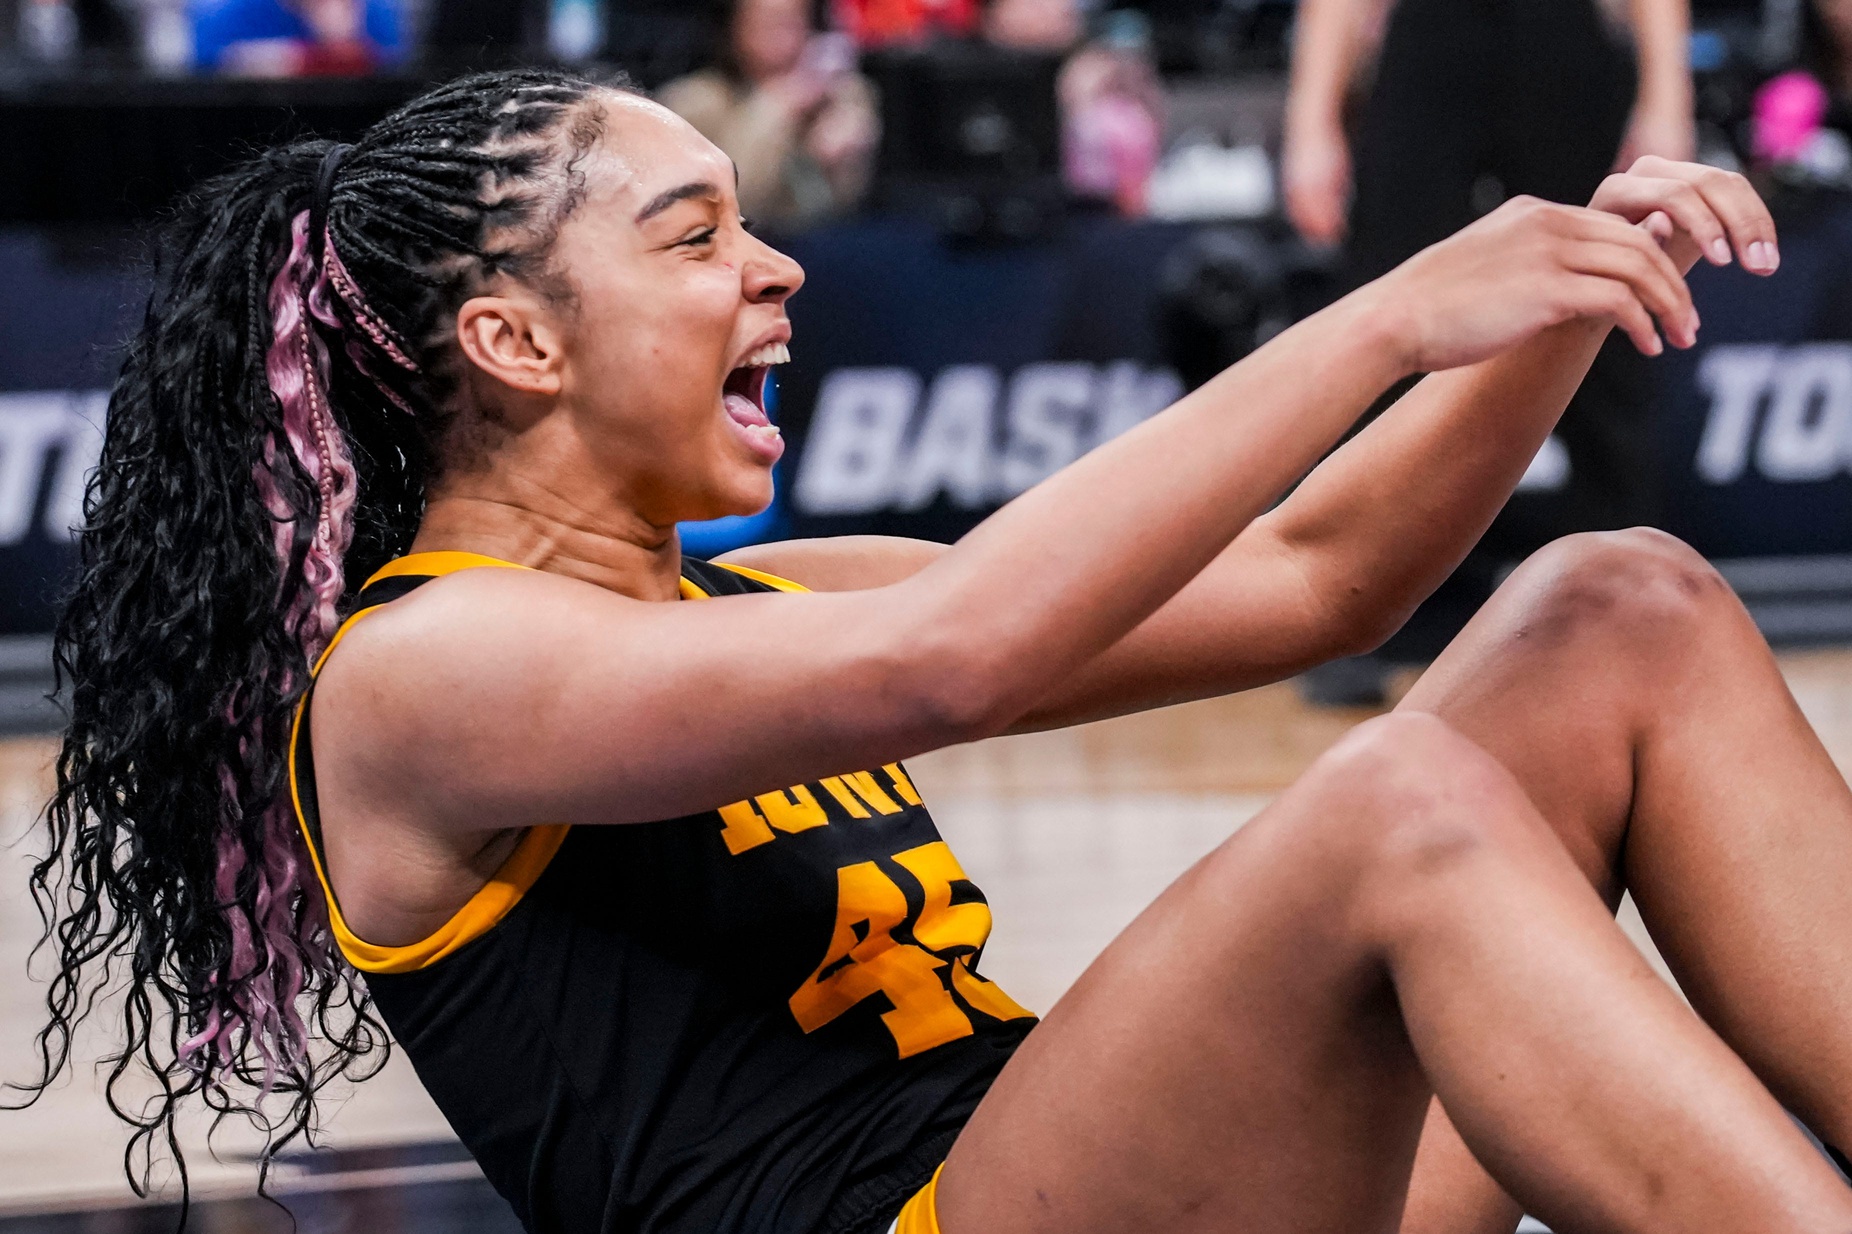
1475	101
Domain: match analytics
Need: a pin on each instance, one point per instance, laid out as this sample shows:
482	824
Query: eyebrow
662	201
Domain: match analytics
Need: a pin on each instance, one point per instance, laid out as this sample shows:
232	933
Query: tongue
745	411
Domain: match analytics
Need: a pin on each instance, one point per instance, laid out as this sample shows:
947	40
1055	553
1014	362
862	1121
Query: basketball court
1070	833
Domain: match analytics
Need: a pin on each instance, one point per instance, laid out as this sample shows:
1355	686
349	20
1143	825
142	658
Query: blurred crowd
786	101
1360	87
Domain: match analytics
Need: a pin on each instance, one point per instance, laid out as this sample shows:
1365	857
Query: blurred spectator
1034	25
1826	45
787	104
1112	104
296	38
1472	102
883	23
1472	89
55	31
1112	109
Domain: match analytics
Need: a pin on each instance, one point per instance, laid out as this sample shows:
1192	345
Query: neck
531	526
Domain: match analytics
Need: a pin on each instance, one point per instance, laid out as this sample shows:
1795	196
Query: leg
1255	1052
1620	681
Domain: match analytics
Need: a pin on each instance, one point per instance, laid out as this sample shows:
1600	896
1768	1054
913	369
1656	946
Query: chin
740	492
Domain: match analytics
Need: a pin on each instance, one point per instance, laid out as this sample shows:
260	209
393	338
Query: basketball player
620	844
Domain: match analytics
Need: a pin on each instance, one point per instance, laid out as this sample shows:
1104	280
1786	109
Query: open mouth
743	396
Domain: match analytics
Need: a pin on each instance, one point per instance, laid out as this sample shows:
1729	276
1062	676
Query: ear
512	340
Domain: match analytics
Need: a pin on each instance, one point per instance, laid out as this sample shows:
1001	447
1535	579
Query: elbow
1361	631
944	691
1347	609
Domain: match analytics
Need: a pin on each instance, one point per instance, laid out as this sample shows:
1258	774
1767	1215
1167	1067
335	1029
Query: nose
770	276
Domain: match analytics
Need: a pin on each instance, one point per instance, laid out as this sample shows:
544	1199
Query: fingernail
1720	251
1657	348
1762	256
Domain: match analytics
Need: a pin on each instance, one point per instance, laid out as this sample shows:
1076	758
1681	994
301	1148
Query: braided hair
269	439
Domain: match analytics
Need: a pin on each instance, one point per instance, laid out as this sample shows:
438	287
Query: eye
704	236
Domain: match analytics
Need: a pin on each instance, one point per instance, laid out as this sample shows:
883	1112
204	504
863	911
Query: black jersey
764	1018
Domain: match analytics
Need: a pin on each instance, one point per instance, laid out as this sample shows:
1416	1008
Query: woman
520	331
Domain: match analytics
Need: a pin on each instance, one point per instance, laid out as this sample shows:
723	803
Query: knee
1409	794
1641	584
1413	818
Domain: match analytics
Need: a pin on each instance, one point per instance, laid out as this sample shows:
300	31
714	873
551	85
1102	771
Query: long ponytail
269	440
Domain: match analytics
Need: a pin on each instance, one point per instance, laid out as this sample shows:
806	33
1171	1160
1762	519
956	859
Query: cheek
666	343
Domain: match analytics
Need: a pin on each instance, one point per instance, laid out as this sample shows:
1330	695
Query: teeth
768	355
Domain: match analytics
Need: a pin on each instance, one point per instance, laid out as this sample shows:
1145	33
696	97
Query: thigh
1234	1061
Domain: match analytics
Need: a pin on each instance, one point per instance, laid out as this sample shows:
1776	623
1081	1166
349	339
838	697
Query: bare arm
1330	37
1334	570
501	698
1340	564
1663	114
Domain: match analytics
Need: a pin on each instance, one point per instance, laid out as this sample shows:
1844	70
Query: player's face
679	314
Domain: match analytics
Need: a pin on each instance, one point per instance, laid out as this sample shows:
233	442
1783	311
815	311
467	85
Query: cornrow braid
269	440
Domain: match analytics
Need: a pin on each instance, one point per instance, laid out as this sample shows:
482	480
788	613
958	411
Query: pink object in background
1788	112
1112	146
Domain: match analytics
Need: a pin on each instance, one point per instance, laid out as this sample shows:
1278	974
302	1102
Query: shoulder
839	563
470	604
459	638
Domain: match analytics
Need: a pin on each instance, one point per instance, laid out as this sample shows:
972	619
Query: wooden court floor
1069	833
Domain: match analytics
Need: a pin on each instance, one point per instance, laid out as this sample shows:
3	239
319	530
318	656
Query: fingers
1608	248
1727	197
1595	296
1640	198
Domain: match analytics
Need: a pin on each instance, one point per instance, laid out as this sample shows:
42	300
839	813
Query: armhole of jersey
760	576
497	898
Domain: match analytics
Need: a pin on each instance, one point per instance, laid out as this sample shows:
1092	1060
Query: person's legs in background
1476	101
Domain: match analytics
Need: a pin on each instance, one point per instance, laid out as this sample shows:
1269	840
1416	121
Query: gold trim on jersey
921	1215
505	887
446	561
692	592
760	576
523	868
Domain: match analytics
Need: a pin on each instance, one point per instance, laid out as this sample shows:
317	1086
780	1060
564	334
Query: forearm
1341	563
1326	43
1105	542
1662	36
1383	521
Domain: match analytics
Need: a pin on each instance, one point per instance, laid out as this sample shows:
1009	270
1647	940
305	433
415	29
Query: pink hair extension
286	925
383	335
376	327
297	368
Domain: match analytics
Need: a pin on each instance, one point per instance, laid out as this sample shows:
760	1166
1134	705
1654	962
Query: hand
842	133
1523	268
798	93
1694	211
1315	176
